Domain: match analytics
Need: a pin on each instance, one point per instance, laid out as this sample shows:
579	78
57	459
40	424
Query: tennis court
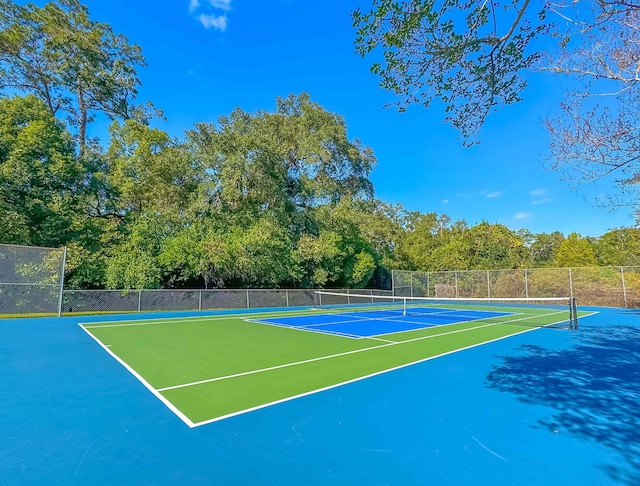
205	369
512	398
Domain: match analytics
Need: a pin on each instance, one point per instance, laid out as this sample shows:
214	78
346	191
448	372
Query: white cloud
522	215
221	4
491	195
542	201
193	5
217	22
538	192
445	201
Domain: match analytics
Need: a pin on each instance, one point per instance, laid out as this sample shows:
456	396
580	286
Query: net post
573	313
404	306
64	264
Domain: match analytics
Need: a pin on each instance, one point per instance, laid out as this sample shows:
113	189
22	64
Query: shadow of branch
594	388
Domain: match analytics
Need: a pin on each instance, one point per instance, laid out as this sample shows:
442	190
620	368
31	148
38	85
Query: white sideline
169	405
330	356
312	392
192	424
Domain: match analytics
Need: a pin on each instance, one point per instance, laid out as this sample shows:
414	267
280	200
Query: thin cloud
542	201
464	196
211	13
221	4
491	195
217	22
445	201
538	192
522	215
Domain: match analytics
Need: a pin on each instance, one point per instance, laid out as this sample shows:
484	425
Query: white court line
312	392
298	328
213	317
331	356
191	424
147	385
377	338
173	320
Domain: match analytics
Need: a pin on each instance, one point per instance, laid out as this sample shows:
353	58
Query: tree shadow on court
594	388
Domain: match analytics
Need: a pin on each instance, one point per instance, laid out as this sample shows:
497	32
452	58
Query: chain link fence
31	279
597	286
108	301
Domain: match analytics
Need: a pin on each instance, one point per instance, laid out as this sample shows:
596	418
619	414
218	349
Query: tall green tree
71	62
42	184
576	251
620	246
148	171
282	162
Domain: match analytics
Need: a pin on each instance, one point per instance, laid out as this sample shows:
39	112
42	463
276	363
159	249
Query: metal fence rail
597	286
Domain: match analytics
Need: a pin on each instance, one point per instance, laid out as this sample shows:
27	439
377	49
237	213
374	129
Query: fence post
139	299
455	275
200	300
248	299
488	285
64	264
428	285
526	283
624	287
286	293
571	283
411	280
393	282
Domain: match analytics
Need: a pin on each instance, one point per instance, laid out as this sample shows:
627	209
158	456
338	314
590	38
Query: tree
148	171
471	56
620	246
318	259
474	57
575	251
262	253
283	162
41	181
69	61
541	248
133	263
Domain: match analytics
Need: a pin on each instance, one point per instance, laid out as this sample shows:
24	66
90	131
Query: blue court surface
544	407
380	321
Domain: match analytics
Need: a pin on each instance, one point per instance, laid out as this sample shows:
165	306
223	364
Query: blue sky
205	57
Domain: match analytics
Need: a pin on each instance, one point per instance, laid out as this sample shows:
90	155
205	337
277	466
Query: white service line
298	328
192	424
331	356
312	392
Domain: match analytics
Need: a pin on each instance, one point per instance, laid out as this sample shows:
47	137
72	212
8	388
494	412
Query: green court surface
209	368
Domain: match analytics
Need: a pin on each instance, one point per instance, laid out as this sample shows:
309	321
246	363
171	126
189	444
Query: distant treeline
265	199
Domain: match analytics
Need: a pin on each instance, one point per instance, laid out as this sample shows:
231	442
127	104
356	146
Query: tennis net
557	312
